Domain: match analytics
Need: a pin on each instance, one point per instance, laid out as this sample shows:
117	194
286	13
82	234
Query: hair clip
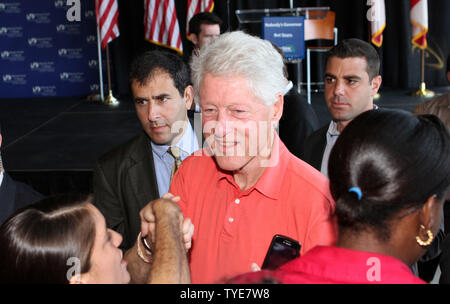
357	191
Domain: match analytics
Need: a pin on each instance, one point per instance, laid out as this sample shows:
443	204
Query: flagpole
369	29
100	66
422	91
110	99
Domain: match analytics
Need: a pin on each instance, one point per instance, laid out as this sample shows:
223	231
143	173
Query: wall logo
10	7
12	55
72	77
11	32
44	90
94	87
71	53
42	66
60	28
69	29
89	14
38	18
17	79
91	39
60	4
93	63
44	42
7	78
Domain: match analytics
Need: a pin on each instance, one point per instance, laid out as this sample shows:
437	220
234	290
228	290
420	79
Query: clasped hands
165	208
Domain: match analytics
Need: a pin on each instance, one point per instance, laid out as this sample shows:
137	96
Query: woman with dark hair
64	239
61	239
389	173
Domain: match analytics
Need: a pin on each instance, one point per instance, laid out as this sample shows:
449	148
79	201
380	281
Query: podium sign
287	33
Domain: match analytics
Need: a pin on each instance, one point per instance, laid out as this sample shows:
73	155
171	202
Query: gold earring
428	241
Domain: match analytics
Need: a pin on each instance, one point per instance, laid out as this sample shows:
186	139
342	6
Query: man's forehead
209	29
230	81
346	65
155	75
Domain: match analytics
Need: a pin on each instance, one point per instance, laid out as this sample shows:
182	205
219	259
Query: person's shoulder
321	132
429	106
304	173
313	142
24	194
199	160
124	150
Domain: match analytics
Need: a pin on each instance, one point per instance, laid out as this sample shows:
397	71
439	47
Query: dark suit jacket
14	196
312	150
297	122
124	182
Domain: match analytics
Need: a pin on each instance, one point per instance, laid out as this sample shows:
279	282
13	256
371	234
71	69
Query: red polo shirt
234	228
334	265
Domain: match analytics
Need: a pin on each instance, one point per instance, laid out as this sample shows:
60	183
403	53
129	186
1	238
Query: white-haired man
246	186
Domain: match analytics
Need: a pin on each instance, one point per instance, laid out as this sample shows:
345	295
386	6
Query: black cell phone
282	249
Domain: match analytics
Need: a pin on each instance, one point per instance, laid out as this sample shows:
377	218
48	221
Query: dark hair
353	47
202	18
396	159
150	63
38	241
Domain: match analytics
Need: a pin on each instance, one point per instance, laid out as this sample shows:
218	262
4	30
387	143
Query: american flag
195	7
161	24
107	13
419	20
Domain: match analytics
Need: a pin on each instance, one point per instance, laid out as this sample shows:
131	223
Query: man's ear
188	96
194	39
278	108
0	140
376	83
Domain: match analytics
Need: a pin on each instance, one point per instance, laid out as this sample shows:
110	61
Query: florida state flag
419	20
377	21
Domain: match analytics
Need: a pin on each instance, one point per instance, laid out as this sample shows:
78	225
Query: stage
52	144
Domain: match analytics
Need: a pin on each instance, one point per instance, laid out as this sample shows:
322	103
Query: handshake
169	237
165	211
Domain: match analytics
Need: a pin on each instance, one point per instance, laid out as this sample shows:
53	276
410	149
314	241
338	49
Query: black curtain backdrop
400	60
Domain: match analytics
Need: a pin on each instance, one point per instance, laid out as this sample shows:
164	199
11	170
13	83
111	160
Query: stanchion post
110	99
422	91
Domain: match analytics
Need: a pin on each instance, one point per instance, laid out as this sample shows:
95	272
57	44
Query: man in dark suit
297	122
351	81
138	171
14	195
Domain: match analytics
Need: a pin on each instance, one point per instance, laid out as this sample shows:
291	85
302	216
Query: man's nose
339	88
153	111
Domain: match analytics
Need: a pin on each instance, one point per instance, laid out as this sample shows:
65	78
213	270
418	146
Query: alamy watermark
235	139
374	12
74	270
74	11
374	272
